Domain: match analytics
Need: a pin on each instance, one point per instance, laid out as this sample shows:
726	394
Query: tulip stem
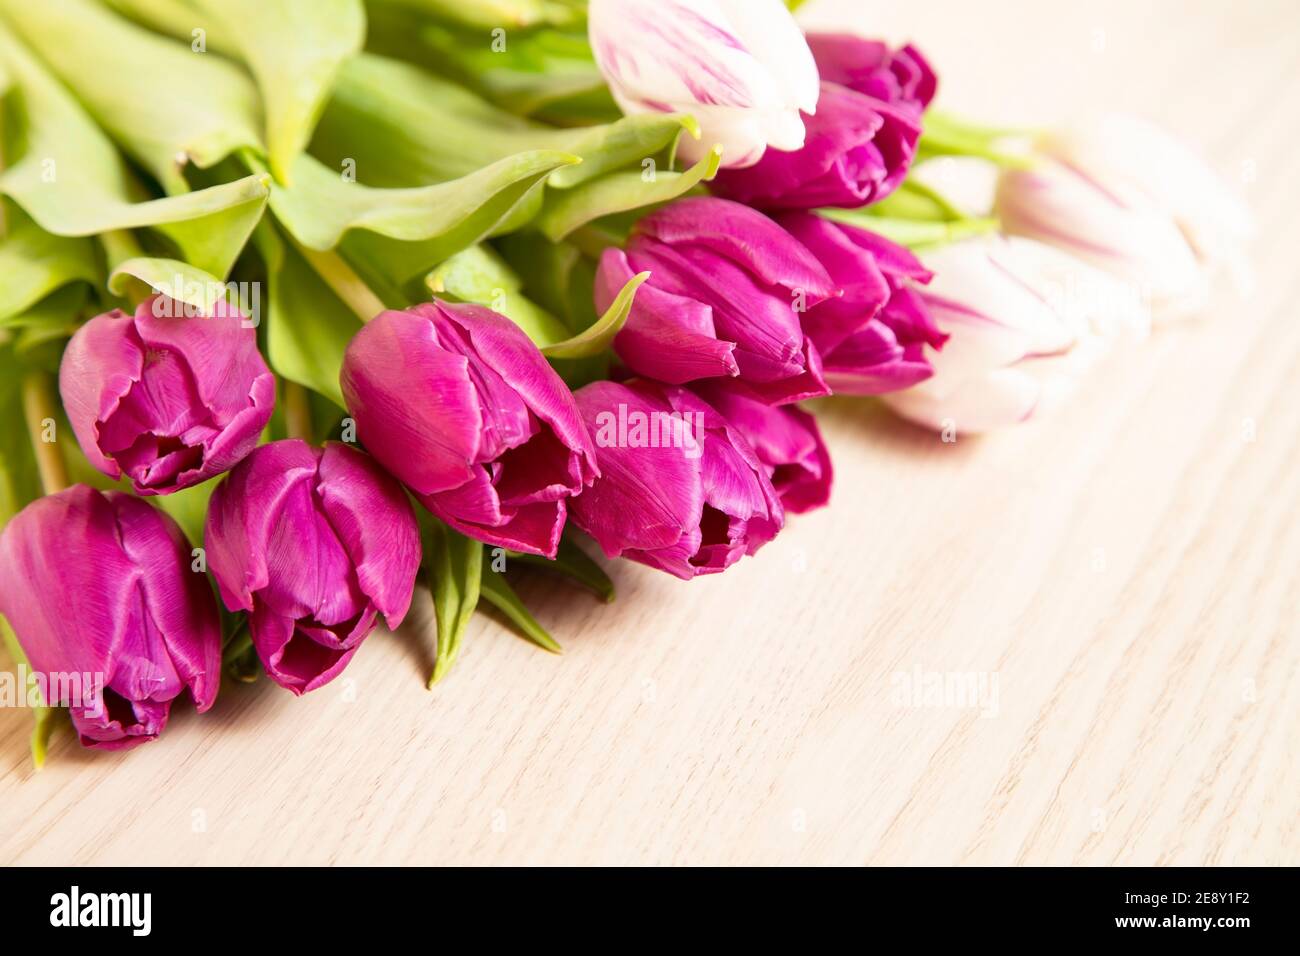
297	411
40	408
342	279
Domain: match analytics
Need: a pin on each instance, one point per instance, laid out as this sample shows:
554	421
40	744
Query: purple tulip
680	488
724	297
873	338
856	151
461	406
167	398
860	143
902	77
786	440
314	543
98	586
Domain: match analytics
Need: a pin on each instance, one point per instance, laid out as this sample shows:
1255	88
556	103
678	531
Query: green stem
342	279
39	406
297	411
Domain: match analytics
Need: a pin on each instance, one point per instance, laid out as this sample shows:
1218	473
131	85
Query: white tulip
1025	321
1130	199
741	67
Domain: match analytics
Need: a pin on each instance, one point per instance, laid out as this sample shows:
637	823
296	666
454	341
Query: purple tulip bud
461	406
902	77
100	590
680	488
726	291
873	338
856	151
314	543
787	442
169	399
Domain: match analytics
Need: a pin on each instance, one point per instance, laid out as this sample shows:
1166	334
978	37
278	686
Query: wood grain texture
1126	571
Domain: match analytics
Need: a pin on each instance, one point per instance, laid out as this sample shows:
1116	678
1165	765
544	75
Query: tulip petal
294	660
646	497
504	347
373	519
177	600
243	513
746	237
116	723
101	362
407	393
65	548
667	337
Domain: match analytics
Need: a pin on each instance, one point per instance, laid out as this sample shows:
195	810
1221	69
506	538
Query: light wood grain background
1126	572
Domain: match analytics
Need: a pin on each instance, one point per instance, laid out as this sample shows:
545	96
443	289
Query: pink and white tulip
1024	322
1128	198
741	67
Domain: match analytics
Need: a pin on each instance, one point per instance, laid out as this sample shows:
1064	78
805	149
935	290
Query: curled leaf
619	192
600	336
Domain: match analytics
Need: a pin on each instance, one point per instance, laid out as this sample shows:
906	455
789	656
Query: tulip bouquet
337	297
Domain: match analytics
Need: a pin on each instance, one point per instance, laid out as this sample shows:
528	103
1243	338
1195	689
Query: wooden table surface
1120	581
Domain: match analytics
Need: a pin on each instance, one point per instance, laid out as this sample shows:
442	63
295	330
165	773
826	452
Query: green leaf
403	126
600	336
481	276
189	508
167	105
915	200
42	328
294	49
34	263
495	13
946	135
619	192
546	73
574	563
322	206
501	596
72	182
308	327
43	716
556	275
455	567
173	278
915	234
20	482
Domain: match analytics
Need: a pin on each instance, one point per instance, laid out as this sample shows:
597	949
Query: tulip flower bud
786	440
169	399
1024	322
680	489
100	591
740	67
314	543
901	77
873	338
860	144
857	150
725	297
1129	199
460	405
